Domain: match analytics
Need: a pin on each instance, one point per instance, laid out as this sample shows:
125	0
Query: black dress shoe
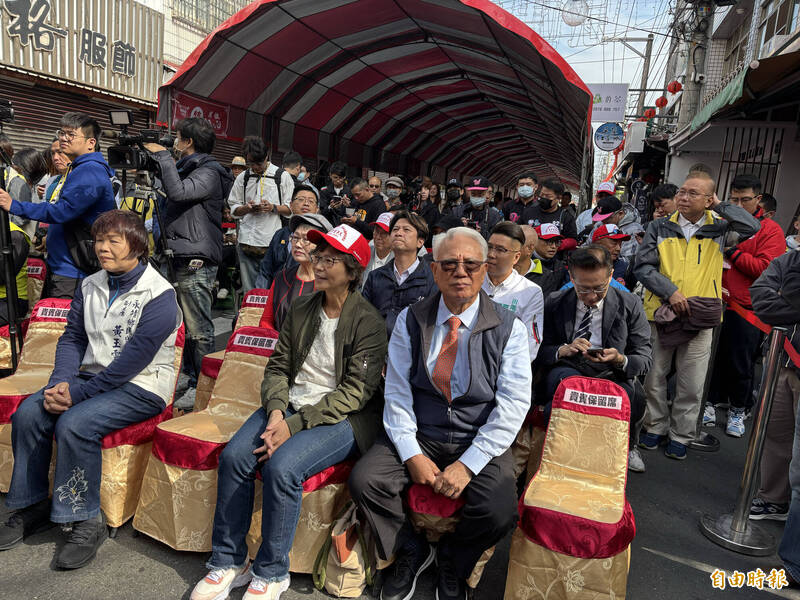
449	586
82	544
24	522
412	560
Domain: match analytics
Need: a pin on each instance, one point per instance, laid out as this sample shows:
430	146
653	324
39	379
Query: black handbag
78	235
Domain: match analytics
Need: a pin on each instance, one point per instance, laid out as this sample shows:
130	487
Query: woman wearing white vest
114	367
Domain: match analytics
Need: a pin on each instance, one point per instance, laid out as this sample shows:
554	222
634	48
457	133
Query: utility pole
646	55
648	52
696	64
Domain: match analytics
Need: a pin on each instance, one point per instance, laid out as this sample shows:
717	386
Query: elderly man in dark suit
595	330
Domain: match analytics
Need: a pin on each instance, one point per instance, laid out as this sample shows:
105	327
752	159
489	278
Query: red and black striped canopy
450	87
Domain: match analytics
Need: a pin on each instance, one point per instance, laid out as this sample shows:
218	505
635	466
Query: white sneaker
217	585
222	293
709	416
259	589
735	426
635	462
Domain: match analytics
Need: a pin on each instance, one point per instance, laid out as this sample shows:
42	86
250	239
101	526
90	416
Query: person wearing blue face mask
478	214
526	188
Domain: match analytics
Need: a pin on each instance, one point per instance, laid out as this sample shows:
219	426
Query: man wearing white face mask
526	186
478	214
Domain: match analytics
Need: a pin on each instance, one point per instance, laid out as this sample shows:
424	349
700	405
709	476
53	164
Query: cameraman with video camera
196	188
86	194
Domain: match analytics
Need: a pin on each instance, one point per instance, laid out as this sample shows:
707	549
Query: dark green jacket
359	353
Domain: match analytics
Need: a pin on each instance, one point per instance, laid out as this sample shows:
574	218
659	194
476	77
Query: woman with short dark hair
114	366
316	412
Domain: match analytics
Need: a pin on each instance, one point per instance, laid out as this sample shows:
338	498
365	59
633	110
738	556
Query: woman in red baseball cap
317	411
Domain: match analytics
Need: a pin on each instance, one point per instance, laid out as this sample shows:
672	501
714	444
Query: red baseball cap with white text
344	239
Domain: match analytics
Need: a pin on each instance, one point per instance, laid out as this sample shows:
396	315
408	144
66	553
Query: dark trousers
635	394
732	378
57	286
378	483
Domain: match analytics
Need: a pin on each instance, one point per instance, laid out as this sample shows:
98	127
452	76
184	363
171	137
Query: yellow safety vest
135	205
22	275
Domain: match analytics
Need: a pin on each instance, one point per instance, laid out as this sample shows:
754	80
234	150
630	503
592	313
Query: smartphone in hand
595	351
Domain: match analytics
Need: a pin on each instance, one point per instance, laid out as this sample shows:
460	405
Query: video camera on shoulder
129	153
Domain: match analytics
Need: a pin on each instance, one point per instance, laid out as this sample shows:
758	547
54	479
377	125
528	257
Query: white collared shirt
257	229
401	277
689	228
512	398
523	298
596	326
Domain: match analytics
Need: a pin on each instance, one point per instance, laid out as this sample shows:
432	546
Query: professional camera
129	153
6	111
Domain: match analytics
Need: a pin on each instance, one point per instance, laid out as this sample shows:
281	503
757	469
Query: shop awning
459	86
753	81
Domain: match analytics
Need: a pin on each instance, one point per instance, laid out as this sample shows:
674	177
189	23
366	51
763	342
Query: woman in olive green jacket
321	405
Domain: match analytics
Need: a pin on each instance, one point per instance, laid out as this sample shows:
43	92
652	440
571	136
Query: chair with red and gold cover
251	314
436	515
47	323
576	525
125	453
37	273
178	496
179	491
324	496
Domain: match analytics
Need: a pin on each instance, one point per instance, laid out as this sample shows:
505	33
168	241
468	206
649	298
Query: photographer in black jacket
196	188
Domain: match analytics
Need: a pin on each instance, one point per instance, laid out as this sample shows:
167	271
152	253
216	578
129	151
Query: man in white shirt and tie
458	387
595	330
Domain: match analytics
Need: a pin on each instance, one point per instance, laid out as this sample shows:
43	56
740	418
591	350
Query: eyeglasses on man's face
470	266
691	194
68	135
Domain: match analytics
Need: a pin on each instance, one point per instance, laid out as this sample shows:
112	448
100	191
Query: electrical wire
598	19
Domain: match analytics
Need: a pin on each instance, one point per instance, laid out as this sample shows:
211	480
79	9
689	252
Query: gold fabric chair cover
250	315
576	525
179	490
125	455
48	320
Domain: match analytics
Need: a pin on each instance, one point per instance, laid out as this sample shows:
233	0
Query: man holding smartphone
363	209
260	196
595	330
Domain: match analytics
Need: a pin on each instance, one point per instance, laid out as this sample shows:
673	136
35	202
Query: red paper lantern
674	87
661	101
650	113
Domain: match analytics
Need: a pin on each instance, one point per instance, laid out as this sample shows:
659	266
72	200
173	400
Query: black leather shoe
449	586
24	522
82	544
412	560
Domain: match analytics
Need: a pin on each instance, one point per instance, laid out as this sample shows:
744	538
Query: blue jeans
789	550
248	269
304	454
78	434
195	297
